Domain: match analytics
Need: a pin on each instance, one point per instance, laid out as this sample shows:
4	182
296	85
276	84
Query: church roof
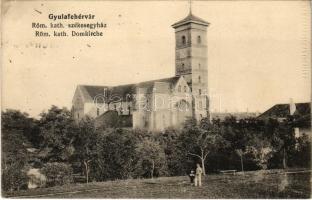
91	91
190	18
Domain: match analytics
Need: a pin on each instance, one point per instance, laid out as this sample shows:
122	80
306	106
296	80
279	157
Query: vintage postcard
156	99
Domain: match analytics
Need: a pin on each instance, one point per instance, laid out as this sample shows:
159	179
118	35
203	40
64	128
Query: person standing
198	175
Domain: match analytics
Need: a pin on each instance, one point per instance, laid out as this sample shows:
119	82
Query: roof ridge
112	86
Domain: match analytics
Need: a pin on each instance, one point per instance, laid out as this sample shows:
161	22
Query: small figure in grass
198	175
192	176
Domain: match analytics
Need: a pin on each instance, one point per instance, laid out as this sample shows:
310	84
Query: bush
14	178
58	173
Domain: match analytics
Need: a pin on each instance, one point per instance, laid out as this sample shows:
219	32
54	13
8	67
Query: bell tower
191	59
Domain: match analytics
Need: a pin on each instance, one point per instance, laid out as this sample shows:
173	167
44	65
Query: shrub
58	173
14	178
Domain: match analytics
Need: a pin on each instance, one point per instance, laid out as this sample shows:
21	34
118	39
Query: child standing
192	176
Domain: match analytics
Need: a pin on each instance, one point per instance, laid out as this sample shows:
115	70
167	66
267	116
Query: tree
15	120
85	144
16	127
116	155
174	156
58	130
284	140
14	160
260	148
199	141
151	158
240	153
302	157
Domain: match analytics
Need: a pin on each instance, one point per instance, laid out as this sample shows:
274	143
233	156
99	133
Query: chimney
292	107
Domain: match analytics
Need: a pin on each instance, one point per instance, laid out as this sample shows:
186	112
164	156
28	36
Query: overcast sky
258	51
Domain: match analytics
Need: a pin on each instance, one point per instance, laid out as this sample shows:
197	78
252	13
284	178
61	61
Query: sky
258	51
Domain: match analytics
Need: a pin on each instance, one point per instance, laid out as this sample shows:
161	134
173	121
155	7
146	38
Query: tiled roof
91	91
190	18
282	111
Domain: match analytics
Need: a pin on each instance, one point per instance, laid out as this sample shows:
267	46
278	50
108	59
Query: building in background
300	112
158	104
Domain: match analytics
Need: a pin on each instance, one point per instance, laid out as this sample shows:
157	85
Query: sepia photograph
156	99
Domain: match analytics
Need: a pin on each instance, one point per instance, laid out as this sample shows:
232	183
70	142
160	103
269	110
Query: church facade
158	104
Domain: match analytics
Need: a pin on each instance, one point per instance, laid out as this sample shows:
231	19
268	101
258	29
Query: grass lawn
260	184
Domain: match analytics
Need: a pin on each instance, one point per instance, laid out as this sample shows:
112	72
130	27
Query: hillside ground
257	184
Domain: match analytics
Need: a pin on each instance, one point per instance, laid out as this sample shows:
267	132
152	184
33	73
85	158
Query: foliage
58	173
16	121
116	153
15	127
151	160
283	142
58	130
113	153
302	155
14	177
85	145
200	140
174	156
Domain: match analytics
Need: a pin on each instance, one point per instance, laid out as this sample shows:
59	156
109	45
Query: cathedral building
157	104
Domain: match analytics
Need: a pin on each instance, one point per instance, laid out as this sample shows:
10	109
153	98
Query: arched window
185	89
199	79
97	112
199	91
198	39
183	40
179	88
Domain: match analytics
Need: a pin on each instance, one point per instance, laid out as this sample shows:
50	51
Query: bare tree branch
195	155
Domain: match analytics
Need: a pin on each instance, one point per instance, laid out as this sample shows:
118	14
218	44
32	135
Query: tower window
185	89
199	79
198	39
198	65
97	111
179	88
199	92
183	40
78	115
